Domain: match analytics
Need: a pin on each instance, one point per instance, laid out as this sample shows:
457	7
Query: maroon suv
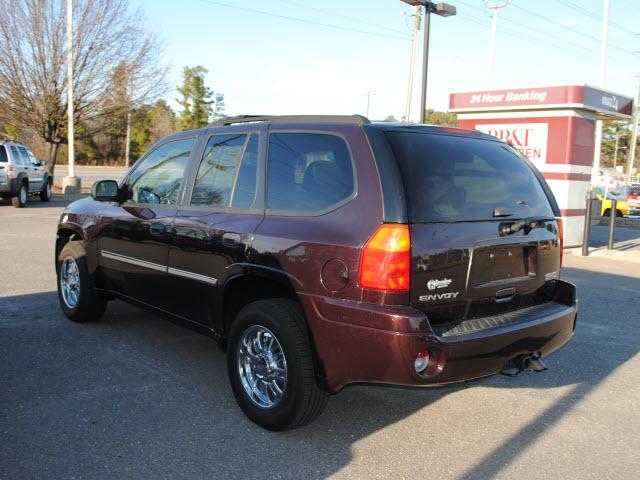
322	251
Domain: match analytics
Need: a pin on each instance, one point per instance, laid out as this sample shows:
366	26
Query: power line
333	14
547	35
405	37
303	20
595	16
566	27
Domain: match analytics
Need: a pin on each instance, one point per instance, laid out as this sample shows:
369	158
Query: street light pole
634	134
70	183
595	171
425	66
70	85
440	9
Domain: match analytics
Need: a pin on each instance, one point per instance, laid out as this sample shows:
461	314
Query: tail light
11	171
560	237
386	258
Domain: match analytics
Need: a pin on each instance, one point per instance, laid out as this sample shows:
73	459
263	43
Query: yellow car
628	201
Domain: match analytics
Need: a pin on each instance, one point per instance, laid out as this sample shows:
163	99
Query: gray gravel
137	396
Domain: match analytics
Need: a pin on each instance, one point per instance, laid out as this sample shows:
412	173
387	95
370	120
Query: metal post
425	65
587	226
612	223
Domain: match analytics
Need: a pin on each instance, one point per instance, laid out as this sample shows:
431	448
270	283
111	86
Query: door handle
505	295
158	229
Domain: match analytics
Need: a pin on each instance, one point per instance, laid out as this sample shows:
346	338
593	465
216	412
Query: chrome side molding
159	268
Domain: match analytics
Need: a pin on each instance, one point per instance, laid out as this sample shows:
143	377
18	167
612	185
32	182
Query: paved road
136	396
624	238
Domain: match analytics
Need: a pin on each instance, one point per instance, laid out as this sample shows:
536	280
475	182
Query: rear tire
46	192
19	200
301	400
76	293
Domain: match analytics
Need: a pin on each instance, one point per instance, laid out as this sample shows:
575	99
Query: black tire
19	200
46	192
619	214
606	213
302	399
90	306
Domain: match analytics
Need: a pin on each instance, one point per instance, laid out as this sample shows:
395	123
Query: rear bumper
357	342
8	186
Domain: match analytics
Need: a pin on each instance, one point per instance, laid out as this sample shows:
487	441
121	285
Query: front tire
76	294
19	200
270	366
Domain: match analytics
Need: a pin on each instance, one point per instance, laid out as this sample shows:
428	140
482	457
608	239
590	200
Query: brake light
11	171
386	258
560	237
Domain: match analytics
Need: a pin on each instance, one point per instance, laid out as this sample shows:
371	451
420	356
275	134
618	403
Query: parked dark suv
323	251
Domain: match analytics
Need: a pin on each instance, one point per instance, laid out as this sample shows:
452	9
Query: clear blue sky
327	55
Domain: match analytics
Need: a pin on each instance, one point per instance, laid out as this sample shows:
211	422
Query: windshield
455	179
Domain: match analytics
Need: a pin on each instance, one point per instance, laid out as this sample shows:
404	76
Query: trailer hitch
528	362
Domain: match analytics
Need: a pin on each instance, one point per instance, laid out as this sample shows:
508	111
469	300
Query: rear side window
227	173
308	172
15	155
3	154
453	179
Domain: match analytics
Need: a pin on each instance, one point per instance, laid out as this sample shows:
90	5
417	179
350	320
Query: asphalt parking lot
136	396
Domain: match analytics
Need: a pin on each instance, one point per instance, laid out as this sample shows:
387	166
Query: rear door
35	174
464	194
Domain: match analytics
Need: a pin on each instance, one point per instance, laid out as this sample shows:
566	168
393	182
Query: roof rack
355	119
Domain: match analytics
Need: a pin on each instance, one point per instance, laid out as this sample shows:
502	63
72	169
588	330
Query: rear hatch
484	239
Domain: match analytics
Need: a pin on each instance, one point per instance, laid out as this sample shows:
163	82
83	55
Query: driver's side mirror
106	191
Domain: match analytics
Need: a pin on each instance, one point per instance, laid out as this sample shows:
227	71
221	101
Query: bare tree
33	55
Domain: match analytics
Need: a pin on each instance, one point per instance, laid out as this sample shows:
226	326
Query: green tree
198	102
441	118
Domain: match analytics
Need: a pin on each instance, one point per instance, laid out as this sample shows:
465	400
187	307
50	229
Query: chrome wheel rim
23	194
262	366
70	282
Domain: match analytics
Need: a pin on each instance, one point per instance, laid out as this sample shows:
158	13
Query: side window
227	173
15	155
26	160
308	172
3	154
245	189
158	178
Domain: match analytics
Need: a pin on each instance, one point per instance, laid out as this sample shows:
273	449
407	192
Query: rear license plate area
495	264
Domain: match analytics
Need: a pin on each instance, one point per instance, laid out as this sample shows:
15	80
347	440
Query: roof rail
355	119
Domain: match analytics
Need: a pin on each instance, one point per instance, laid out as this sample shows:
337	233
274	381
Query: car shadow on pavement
136	396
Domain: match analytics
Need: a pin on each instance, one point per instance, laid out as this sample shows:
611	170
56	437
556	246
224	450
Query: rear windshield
455	179
3	154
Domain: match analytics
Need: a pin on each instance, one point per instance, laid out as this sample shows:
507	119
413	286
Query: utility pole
412	67
492	45
70	183
634	132
369	95
603	69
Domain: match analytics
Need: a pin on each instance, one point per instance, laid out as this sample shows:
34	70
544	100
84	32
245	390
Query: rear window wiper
526	224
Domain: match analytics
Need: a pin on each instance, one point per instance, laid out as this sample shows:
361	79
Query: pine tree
199	103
